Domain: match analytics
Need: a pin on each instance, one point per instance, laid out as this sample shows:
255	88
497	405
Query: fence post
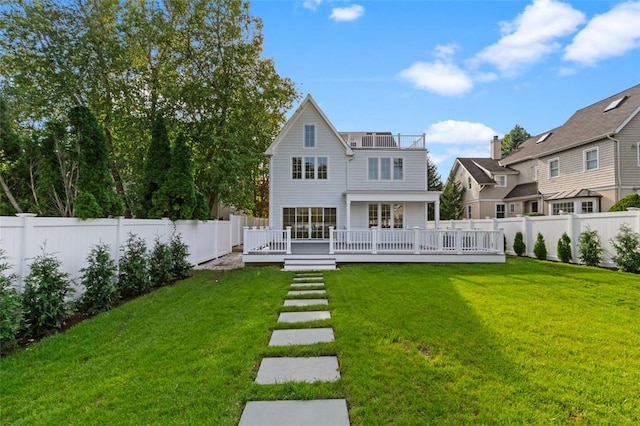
288	240
25	254
245	230
416	240
374	240
331	248
119	241
196	224
571	228
526	230
215	238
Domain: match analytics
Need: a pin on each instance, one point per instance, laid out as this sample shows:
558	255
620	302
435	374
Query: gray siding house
583	166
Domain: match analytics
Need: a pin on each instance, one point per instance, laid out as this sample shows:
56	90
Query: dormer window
615	104
543	137
501	180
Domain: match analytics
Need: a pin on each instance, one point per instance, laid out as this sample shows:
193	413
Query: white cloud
611	34
454	132
439	77
311	4
566	71
445	51
347	14
531	36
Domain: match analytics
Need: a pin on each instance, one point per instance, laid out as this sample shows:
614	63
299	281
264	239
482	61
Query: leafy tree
451	200
96	194
627	246
434	183
564	248
590	247
623	204
10	154
540	248
518	244
156	165
512	140
176	199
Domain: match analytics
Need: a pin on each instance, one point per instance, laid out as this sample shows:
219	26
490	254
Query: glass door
309	222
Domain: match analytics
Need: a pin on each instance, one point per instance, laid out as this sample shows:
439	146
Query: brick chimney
496	148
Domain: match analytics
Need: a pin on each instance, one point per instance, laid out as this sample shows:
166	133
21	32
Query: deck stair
310	263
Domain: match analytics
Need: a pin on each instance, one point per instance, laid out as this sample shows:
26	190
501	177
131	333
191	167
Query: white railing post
245	239
458	240
331	242
288	240
374	240
416	240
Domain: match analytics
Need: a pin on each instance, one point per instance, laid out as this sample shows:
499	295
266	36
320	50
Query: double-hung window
590	158
501	180
309	169
385	168
554	168
309	135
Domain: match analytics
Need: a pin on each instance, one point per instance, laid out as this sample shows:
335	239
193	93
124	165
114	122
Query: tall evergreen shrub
157	163
519	246
180	266
133	279
160	264
99	280
96	194
564	248
540	248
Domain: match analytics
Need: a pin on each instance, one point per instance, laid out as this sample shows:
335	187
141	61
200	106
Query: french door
309	222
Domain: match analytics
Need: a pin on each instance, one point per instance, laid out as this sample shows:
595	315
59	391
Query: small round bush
564	248
540	248
518	244
590	248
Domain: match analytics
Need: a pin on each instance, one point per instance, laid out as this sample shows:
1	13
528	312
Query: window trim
495	178
378	218
303	168
557	159
638	152
512	208
504	210
584	159
304	136
392	171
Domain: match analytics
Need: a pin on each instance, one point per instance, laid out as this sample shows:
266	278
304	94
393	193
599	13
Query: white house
344	192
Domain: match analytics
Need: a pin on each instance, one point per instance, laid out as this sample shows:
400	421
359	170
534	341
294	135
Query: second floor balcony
383	140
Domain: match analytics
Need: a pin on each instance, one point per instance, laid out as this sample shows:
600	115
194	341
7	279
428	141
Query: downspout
618	178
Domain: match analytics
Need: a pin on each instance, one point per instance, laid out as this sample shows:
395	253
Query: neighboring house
583	166
322	178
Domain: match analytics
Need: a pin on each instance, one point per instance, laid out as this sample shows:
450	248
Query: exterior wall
414	166
629	139
572	175
288	192
527	170
483	199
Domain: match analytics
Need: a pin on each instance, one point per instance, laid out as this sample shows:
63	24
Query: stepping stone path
321	412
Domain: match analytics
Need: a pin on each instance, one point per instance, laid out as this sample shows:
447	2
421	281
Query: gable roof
479	167
523	190
586	125
308	101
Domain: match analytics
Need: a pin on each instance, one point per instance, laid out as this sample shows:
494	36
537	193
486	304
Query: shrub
10	308
134	268
160	264
564	248
43	299
627	245
632	200
518	244
540	248
99	280
180	266
590	248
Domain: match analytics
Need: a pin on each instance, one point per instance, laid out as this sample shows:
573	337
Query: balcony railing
388	241
384	140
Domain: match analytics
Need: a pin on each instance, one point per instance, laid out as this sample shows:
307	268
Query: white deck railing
263	240
384	140
388	241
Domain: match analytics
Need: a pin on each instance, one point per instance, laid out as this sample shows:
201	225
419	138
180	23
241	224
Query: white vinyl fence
69	239
552	227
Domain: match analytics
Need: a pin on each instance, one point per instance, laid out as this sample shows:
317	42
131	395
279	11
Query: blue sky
459	71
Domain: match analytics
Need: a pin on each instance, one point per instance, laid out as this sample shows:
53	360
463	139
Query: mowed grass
521	342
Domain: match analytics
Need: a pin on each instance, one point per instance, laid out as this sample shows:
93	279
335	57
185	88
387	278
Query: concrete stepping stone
303	292
305	302
303	285
303	336
314	279
298	369
319	412
291	317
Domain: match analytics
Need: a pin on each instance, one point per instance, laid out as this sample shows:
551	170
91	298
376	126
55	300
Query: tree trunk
9	195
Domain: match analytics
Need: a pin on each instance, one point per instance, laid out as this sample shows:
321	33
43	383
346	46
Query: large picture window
564	207
309	222
311	168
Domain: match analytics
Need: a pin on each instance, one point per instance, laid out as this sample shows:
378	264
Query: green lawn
524	342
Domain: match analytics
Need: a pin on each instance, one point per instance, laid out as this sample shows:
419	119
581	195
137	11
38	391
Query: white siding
629	139
287	192
414	215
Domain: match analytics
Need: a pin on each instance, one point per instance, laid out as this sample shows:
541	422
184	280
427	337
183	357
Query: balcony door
309	222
